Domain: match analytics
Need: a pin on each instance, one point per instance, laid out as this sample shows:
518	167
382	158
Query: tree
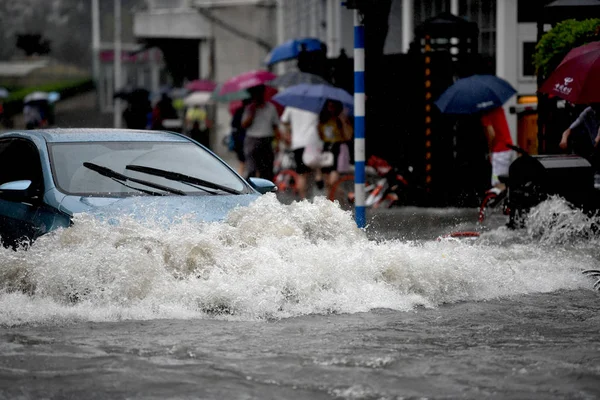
556	43
33	43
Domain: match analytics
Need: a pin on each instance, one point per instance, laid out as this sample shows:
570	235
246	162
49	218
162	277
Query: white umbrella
197	99
35	96
3	93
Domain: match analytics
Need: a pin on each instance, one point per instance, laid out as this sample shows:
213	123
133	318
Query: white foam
267	260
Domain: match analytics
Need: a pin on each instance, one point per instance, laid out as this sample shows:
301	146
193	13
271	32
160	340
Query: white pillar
117	62
330	28
407	24
454	7
506	56
314	18
154	71
280	31
337	18
96	46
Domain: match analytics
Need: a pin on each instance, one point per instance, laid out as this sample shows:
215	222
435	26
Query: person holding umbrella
484	95
261	122
335	130
577	80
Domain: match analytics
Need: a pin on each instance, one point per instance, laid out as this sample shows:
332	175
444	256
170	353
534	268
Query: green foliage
50	87
565	36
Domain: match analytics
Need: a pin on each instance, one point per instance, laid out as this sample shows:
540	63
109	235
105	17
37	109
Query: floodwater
294	302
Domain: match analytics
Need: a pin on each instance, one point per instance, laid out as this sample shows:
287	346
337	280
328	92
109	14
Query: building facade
232	36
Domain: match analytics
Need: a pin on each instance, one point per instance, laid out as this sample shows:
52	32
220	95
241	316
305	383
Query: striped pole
359	121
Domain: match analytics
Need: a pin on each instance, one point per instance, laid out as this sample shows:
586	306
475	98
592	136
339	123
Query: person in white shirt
261	122
301	130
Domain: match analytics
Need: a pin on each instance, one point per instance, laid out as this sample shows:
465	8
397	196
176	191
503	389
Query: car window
72	177
20	160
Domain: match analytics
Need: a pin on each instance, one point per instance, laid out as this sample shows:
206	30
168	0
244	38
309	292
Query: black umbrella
560	10
132	95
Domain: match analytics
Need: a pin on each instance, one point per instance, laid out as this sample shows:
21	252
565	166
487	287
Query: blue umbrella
312	97
290	49
3	93
475	94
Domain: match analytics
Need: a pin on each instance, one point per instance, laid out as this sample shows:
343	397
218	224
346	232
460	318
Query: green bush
556	43
59	87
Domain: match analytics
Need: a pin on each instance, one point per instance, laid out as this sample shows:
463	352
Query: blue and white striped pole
359	121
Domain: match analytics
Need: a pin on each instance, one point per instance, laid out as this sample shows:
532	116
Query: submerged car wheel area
47	176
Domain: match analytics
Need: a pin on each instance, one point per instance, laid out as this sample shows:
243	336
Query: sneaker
494	190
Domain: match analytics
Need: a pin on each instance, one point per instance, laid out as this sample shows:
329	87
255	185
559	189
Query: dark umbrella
297	77
560	10
475	94
132	95
577	78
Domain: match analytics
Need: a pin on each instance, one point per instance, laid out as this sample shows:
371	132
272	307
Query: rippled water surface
293	301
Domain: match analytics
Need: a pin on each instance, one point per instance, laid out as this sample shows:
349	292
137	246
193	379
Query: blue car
47	176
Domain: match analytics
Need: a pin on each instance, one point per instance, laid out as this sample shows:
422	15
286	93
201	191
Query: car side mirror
262	185
15	190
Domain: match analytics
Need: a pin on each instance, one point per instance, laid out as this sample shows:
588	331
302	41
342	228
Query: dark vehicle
532	179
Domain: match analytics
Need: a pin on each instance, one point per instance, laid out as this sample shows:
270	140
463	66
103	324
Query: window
424	10
20	160
72	177
483	12
527	65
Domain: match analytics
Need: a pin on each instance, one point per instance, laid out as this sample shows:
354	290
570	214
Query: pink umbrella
201	85
269	93
246	80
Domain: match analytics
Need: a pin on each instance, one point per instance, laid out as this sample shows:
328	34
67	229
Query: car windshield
72	177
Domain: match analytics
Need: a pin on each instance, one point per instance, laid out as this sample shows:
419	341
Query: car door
23	216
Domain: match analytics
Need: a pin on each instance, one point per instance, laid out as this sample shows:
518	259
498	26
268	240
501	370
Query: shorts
335	149
500	163
301	168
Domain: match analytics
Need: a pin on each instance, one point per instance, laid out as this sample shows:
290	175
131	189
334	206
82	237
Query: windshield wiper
109	173
176	176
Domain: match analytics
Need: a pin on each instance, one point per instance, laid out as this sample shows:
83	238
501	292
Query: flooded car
48	176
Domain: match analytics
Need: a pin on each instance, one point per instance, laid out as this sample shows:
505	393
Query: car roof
66	135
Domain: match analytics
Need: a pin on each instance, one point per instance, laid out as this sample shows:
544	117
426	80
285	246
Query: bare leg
301	185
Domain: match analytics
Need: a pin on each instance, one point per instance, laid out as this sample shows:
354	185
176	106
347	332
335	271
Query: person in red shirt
498	136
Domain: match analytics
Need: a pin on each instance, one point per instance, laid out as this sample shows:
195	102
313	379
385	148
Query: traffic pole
359	120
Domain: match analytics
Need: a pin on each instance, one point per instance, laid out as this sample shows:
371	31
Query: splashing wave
264	261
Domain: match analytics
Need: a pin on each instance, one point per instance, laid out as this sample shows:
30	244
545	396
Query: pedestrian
238	135
300	131
335	130
587	143
32	116
498	137
162	110
261	122
196	120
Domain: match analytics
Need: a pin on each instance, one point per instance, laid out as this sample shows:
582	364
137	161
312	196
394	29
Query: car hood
203	208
